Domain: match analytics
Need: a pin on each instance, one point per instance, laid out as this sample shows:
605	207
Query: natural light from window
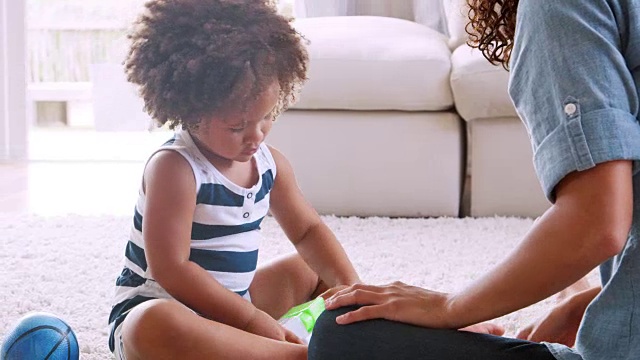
71	46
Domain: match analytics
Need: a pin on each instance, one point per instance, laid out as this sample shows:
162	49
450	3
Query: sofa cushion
375	63
479	88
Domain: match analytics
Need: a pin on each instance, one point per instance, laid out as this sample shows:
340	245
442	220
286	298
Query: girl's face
236	136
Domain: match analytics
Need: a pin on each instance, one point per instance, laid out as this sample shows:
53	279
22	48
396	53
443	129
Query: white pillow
317	8
375	63
456	12
430	13
426	12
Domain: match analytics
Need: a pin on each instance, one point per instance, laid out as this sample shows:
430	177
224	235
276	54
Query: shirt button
570	109
249	195
246	215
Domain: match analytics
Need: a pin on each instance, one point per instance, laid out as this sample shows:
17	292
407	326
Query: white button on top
249	195
570	109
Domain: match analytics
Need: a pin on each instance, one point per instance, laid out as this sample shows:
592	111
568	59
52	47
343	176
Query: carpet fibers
67	265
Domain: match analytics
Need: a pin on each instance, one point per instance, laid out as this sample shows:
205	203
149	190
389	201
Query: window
66	39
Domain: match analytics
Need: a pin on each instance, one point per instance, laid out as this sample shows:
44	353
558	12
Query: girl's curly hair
194	58
492	28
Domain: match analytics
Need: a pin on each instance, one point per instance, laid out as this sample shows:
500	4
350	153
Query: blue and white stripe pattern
225	233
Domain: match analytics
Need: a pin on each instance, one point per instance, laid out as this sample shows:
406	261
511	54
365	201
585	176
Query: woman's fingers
362	294
329	293
363	313
356	295
348	289
485	328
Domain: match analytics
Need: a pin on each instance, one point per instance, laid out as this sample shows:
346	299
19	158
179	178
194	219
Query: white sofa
374	132
398	118
502	178
379	126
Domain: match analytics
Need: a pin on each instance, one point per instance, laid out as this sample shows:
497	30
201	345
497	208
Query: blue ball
39	336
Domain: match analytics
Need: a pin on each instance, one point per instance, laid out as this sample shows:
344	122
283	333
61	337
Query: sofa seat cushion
479	88
375	63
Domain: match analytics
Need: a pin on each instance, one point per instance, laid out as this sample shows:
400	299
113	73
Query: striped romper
225	234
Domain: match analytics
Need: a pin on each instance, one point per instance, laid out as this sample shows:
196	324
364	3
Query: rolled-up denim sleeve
573	87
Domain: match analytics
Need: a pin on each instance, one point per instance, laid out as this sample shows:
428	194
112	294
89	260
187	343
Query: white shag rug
67	265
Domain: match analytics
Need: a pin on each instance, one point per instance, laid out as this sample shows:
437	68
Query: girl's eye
237	130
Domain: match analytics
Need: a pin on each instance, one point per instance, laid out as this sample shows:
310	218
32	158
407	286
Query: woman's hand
332	291
264	325
396	301
485	328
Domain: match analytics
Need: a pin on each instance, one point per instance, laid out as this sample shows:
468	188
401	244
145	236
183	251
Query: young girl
219	72
574	81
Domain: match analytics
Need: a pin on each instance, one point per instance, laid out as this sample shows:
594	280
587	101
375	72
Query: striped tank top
225	232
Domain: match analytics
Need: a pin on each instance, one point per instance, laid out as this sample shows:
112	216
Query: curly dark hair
194	58
492	28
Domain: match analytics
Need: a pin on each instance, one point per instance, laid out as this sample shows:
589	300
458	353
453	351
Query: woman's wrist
453	312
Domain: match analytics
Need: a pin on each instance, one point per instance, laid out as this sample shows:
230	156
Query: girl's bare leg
284	283
166	329
579	286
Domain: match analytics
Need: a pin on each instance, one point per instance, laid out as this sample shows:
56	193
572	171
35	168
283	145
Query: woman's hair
194	58
492	27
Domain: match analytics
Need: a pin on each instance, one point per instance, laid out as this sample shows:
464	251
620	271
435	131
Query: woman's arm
313	239
588	224
170	191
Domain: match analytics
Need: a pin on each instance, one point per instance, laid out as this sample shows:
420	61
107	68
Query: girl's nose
255	136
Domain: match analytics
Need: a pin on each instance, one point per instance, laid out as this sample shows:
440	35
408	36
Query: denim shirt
575	72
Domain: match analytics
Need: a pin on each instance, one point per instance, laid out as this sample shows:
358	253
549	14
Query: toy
40	335
302	318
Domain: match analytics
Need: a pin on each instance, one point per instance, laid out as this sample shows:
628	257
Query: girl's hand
396	301
264	325
289	336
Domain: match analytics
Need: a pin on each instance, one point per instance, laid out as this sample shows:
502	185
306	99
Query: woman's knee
323	340
333	341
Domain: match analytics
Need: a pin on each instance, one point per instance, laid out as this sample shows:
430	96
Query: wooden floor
57	188
77	170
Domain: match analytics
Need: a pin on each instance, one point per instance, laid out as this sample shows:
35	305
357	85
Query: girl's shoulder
266	159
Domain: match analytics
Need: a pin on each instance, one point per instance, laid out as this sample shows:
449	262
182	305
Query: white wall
13	126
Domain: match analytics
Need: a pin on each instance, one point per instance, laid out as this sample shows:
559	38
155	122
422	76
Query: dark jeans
389	340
